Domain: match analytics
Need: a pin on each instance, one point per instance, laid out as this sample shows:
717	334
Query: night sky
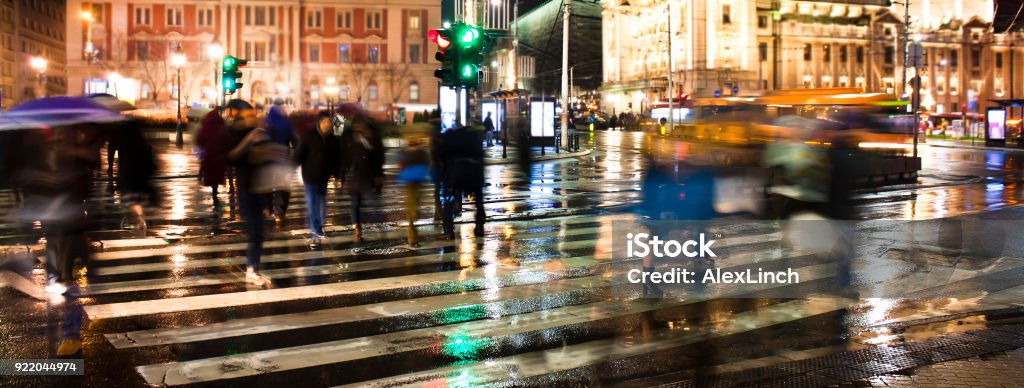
1005	13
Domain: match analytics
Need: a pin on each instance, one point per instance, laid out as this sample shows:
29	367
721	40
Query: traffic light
445	54
231	74
460	50
470	43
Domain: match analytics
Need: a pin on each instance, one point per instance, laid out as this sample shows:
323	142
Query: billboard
496	114
995	124
449	99
542	118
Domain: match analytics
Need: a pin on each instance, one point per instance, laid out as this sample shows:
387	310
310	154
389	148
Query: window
762	21
976	58
260	15
373	20
174	17
414	92
414	53
373	91
807	52
142	50
204	17
313	19
343	92
345	20
889	53
373	54
999	60
762	50
344	51
260	53
97	12
953	58
842	54
860	55
144	92
940	85
248	15
142	16
314	53
826	52
414	23
726	14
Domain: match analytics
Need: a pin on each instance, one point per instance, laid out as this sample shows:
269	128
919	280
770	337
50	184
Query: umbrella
57	111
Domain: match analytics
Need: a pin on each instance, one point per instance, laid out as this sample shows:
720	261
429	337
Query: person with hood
281	131
212	139
362	156
244	143
136	168
461	158
319	155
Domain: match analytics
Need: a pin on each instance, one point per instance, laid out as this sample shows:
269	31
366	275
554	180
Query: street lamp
39	65
330	90
178	60
215	51
87	17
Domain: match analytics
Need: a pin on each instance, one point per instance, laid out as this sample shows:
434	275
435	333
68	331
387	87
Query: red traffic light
439	39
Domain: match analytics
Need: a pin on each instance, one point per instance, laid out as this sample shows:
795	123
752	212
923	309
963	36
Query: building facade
749	46
31	31
308	53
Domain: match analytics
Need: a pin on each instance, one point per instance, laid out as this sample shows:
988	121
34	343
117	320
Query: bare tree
157	74
359	76
395	76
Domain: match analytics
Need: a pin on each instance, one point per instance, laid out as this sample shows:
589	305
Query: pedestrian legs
252	213
316	202
480	216
412	205
356	197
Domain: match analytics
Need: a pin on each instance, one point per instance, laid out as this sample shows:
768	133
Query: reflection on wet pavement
530	303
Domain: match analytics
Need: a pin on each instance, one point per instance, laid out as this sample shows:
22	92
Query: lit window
414	92
373	92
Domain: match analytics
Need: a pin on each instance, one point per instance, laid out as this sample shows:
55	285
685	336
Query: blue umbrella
57	111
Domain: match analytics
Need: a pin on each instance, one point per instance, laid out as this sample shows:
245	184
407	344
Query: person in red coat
212	140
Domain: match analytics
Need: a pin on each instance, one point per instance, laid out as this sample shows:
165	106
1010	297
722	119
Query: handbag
272	177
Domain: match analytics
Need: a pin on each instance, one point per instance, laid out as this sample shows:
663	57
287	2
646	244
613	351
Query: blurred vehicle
870	120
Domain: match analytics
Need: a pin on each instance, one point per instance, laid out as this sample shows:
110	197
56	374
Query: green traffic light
468	72
229	63
469	35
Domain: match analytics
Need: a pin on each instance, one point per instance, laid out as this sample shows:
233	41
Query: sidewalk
967	144
492	155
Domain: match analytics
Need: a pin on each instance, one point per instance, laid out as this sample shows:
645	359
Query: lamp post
178	60
215	51
39	65
87	17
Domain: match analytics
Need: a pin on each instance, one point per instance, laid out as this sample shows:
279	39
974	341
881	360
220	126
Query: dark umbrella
57	111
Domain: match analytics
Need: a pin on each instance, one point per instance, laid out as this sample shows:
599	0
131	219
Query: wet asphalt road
529	303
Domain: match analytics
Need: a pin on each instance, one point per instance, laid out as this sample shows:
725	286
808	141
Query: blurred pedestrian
462	168
319	156
281	131
414	165
136	168
489	129
212	140
362	155
243	139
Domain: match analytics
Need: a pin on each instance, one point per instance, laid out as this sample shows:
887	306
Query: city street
530	303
